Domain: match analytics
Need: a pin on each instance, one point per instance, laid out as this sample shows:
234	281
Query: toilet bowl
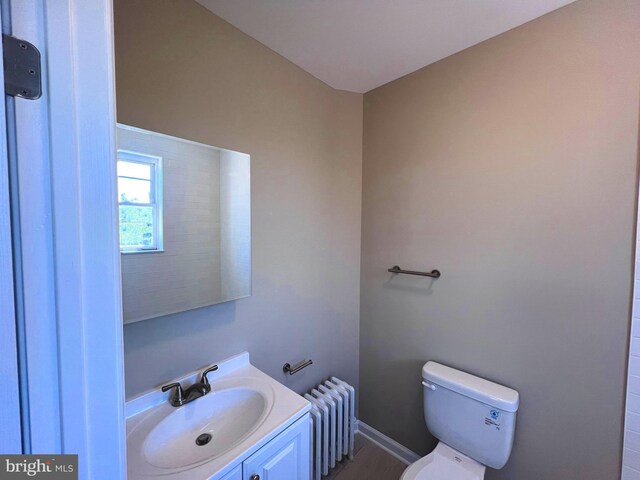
444	463
473	418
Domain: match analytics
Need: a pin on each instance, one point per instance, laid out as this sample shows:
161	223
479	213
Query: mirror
185	224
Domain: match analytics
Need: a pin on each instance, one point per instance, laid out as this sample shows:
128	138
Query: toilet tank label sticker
492	419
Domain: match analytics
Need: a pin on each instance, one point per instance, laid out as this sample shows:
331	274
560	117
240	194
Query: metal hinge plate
22	70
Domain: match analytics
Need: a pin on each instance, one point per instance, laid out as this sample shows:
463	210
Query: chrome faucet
199	389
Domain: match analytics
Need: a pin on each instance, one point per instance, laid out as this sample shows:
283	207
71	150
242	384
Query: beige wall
184	72
511	167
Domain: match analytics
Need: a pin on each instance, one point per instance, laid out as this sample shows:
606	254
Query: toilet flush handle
430	386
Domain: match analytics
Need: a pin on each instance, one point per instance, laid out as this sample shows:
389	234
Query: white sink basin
245	409
227	415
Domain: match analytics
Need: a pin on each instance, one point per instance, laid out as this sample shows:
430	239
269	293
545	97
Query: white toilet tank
470	414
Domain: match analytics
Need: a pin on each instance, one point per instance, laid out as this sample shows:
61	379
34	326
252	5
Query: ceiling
358	45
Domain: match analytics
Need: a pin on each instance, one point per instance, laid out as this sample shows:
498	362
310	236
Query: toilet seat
444	463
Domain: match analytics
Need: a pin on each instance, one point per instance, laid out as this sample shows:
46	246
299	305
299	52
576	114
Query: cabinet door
286	457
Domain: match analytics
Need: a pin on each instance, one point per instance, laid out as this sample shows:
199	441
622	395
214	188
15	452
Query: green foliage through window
136	226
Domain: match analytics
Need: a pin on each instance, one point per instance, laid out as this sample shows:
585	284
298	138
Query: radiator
333	411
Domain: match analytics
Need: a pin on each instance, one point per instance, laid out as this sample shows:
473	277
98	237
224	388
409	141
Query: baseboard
399	451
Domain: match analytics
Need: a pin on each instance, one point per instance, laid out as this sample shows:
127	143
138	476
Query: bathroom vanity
249	427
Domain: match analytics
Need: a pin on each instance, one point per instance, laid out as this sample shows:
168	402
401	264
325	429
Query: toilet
473	418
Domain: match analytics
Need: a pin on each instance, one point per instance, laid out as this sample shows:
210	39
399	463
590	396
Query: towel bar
432	273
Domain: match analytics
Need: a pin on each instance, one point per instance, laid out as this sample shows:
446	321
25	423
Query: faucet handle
178	396
204	380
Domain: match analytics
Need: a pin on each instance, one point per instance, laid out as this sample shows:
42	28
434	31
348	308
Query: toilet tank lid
490	393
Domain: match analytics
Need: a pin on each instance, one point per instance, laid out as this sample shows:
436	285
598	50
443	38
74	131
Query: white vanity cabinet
285	457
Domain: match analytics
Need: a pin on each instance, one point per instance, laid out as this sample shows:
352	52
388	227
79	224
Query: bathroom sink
206	437
206	428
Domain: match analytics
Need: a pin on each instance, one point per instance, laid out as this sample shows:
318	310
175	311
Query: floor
369	461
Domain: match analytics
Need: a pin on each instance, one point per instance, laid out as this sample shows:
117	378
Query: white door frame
10	425
68	252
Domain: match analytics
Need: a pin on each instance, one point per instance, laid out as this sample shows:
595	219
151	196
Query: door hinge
22	68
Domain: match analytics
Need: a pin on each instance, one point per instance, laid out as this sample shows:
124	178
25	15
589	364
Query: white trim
11	437
69	237
33	247
83	146
130	252
137	157
389	445
157	191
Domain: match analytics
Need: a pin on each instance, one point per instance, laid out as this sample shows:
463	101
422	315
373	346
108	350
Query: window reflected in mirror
139	201
185	224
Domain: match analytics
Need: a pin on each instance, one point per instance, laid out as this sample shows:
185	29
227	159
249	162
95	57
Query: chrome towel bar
432	273
297	367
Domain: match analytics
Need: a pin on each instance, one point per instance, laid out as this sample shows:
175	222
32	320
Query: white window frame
156	201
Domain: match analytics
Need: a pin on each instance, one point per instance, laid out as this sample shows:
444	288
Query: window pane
136	227
135	170
134	191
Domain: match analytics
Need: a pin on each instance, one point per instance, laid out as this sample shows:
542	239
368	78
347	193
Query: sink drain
203	439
